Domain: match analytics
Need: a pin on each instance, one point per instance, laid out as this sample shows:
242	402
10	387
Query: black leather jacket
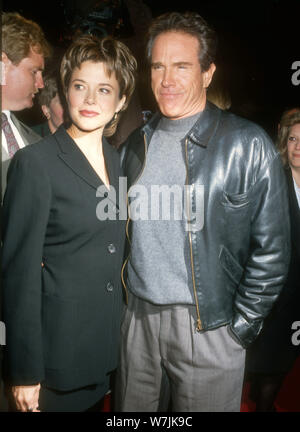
239	259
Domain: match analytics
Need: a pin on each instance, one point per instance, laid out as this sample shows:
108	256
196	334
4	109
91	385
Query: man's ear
5	62
207	76
5	59
45	111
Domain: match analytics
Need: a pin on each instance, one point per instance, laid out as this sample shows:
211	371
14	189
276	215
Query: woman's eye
78	86
104	90
291	138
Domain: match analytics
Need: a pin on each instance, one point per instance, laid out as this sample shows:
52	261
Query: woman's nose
90	97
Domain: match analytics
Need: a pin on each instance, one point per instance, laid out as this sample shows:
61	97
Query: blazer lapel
27	134
112	163
75	159
78	163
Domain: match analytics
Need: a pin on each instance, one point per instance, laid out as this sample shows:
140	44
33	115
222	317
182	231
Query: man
24	48
23	51
51	106
198	286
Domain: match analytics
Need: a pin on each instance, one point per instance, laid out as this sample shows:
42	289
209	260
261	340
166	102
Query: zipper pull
199	325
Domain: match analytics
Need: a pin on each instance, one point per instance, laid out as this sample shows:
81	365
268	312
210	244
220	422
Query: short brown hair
20	35
190	23
49	91
117	59
287	121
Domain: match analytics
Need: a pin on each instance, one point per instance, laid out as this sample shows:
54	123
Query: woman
61	257
273	354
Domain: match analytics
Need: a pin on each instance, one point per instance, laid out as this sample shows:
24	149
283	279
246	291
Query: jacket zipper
199	324
127	223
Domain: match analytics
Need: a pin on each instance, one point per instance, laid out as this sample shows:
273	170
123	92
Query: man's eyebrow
156	64
178	63
182	63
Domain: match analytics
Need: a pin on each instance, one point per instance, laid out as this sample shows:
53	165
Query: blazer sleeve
25	215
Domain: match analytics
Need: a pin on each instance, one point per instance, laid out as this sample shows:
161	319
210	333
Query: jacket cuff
244	332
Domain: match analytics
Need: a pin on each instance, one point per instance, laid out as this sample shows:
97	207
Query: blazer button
109	287
111	248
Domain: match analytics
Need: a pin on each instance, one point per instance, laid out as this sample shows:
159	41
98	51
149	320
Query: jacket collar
201	133
77	162
28	135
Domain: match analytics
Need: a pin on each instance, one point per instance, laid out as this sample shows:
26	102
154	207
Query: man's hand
26	397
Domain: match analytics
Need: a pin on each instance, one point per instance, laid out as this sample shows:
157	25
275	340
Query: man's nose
39	82
168	78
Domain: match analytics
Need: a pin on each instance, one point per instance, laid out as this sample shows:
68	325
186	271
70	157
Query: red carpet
288	399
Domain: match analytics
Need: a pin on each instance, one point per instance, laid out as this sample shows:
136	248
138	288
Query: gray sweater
159	269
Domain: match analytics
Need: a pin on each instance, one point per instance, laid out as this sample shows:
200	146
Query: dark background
258	43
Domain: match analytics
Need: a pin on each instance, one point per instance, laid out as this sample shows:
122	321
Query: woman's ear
121	104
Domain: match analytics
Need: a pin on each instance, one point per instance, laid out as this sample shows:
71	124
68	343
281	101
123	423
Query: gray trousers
162	355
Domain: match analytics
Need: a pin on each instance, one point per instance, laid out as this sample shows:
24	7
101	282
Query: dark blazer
273	351
62	317
42	129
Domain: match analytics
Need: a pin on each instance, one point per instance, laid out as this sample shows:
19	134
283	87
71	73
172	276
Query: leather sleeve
267	266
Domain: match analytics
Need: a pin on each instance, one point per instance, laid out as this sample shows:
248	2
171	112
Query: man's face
177	80
22	81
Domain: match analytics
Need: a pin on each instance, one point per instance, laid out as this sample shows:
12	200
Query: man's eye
155	67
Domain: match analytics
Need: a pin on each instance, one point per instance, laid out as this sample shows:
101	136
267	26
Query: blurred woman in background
273	354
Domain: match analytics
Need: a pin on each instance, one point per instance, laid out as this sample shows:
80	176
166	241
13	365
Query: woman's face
93	97
293	146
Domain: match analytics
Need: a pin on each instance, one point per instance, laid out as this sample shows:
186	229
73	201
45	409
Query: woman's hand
26	397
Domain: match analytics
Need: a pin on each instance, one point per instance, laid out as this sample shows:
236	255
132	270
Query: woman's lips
86	113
